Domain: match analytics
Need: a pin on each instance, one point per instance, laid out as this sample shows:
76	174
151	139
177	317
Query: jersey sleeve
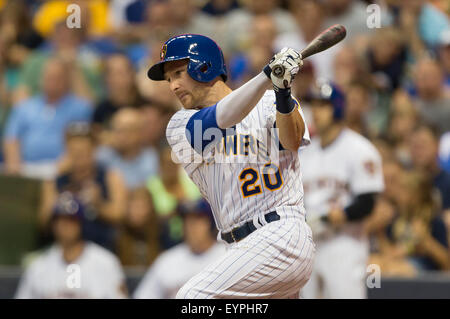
192	134
182	152
366	174
268	109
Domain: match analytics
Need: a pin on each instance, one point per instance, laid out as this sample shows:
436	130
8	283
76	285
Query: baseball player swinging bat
323	41
257	206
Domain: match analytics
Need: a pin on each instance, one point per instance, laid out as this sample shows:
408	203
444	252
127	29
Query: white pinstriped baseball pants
275	261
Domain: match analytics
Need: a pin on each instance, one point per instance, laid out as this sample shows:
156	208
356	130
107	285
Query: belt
243	231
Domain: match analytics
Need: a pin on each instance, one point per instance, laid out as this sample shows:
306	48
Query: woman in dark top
417	236
100	190
121	90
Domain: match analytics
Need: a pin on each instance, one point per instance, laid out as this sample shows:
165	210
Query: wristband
284	102
268	71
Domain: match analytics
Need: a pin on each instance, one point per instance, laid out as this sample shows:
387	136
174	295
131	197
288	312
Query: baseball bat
323	41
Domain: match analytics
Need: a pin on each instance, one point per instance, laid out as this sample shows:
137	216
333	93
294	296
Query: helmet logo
163	51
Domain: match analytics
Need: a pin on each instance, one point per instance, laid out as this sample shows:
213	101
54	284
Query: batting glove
283	67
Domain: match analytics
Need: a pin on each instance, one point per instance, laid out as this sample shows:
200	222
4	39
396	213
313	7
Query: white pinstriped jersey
237	177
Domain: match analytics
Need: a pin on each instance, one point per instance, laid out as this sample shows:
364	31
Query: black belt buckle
232	234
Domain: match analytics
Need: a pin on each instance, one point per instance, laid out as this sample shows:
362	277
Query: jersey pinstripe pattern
274	261
219	181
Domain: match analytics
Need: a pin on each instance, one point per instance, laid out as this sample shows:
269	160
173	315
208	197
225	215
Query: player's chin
187	102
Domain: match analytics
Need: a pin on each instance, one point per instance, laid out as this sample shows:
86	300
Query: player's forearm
238	104
291	128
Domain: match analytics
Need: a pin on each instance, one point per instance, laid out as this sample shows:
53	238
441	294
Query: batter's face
322	113
191	93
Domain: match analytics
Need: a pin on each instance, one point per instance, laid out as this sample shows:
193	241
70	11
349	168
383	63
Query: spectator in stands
187	18
250	61
83	64
157	24
424	148
357	108
403	119
384	147
170	187
444	55
93	16
422	24
309	16
123	13
15	23
353	15
444	151
239	21
138	237
159	20
34	136
349	67
17	40
392	173
219	7
155	91
72	267
165	277
155	119
386	55
122	92
384	210
101	190
127	153
416	240
433	100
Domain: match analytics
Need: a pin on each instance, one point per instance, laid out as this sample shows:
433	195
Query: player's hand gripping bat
323	41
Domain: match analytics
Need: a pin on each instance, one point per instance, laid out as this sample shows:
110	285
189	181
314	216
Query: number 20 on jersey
249	177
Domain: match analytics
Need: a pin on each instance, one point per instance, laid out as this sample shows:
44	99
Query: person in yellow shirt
94	16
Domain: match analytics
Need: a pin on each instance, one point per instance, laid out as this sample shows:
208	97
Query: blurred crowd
78	112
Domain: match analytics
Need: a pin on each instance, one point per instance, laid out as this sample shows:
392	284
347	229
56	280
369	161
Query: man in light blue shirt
432	22
34	133
128	155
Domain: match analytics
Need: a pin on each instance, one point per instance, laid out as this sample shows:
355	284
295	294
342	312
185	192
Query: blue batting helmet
329	92
206	60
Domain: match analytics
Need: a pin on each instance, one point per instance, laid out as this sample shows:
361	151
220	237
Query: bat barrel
325	40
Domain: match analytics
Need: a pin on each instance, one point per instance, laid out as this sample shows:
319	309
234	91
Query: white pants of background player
274	261
339	270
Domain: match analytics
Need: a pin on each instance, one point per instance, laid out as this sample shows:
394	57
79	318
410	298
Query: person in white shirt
173	268
342	175
72	267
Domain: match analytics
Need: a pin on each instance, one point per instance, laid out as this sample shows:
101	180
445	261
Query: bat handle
278	70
